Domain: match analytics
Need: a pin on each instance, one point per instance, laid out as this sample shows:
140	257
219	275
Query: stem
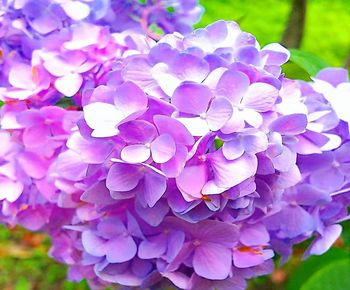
293	34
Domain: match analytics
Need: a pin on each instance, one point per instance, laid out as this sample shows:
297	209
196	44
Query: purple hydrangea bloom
189	161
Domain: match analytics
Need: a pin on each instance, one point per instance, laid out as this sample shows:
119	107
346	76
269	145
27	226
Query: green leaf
156	29
312	265
334	276
1	103
218	143
293	71
64	103
171	9
22	284
309	62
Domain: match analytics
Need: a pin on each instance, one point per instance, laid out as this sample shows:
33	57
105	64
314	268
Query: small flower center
196	243
246	249
203	115
206	198
202	157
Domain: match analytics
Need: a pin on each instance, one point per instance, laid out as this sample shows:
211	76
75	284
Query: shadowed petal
103	118
232	85
220	111
191	98
92	244
120	249
171	126
123	177
163	148
293	124
196	126
155	186
69	84
137	153
212	261
260	97
229	173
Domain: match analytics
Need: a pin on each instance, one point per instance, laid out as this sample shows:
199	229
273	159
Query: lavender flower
190	161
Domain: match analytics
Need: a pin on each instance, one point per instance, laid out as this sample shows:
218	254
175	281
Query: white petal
103	118
196	126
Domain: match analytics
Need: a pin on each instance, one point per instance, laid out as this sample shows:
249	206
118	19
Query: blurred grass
24	264
327	31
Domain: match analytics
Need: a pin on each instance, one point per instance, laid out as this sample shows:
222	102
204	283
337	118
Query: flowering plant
187	159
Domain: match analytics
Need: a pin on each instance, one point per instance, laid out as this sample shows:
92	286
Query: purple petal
21	76
168	125
248	258
10	190
137	153
217	232
69	84
154	187
176	240
309	195
153	247
212	261
229	173
293	124
256	234
70	166
153	215
92	244
175	165
333	182
321	244
232	85
99	194
111	228
191	98
220	111
120	249
248	55
188	67
163	148
34	137
33	165
130	98
334	76
138	131
275	54
93	151
255	143
123	177
260	97
233	149
191	187
291	222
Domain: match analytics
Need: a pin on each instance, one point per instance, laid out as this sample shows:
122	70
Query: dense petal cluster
29	25
190	161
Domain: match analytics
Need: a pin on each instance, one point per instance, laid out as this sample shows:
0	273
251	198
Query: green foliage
335	276
22	284
64	103
313	265
218	143
309	62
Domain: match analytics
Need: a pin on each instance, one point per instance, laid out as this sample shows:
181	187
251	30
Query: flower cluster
189	161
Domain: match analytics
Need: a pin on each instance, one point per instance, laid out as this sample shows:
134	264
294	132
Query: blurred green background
24	264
